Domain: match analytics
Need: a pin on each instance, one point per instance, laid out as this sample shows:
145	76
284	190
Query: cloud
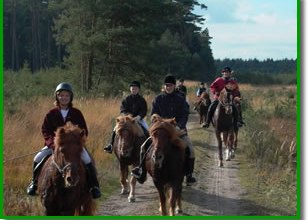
252	28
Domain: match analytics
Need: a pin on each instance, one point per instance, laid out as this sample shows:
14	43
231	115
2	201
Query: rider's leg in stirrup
210	113
139	172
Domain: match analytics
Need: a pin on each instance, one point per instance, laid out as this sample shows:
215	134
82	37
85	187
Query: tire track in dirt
217	191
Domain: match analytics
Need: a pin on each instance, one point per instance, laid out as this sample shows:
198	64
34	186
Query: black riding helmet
64	86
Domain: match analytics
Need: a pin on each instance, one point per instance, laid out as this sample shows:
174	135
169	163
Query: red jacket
54	119
220	83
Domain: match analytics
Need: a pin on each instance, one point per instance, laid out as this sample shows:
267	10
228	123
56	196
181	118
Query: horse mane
224	95
170	126
128	122
69	133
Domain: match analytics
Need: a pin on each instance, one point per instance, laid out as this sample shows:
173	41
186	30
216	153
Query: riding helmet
64	86
170	79
226	69
135	83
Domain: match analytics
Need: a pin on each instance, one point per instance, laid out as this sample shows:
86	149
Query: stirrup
95	192
31	189
108	148
190	180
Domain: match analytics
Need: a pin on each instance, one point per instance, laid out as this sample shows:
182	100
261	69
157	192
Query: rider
201	89
135	105
181	88
169	104
57	117
216	87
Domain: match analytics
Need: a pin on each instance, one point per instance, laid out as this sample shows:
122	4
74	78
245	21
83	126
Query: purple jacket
54	119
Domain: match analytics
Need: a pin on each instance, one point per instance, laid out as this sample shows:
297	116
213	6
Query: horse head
127	130
164	136
69	142
225	99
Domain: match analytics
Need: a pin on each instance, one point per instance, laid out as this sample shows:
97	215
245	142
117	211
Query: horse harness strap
61	171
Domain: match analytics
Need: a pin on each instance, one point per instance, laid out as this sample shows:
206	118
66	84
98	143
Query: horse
129	137
223	122
165	163
62	183
202	106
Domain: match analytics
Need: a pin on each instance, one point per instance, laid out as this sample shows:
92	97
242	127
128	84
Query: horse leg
172	200
220	164
226	142
162	200
131	197
123	179
178	209
232	142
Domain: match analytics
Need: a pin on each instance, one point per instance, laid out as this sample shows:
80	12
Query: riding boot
210	114
240	116
140	172
33	185
190	169
93	182
145	131
108	148
237	123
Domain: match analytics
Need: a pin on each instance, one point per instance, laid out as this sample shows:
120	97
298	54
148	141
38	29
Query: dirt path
217	192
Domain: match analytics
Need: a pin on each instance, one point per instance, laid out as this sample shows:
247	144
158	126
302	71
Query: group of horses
63	184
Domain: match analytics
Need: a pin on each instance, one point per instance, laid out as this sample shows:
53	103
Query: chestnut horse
202	106
129	137
62	183
223	122
165	163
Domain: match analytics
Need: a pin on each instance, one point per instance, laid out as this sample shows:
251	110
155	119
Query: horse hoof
124	192
131	199
228	159
220	164
179	211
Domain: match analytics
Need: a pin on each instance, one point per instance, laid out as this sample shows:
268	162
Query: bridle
63	169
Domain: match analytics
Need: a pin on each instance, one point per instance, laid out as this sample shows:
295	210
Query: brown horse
202	106
62	184
129	137
223	122
165	163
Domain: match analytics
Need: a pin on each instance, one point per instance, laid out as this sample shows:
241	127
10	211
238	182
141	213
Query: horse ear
155	118
82	133
173	121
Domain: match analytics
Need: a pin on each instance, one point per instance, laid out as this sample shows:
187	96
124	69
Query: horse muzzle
158	159
70	182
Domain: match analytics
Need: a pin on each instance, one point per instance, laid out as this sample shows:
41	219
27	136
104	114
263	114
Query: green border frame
1	110
298	126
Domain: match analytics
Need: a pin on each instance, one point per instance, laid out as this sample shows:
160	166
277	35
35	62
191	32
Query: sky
251	29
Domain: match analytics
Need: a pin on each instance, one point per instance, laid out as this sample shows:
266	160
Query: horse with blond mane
129	137
62	183
165	162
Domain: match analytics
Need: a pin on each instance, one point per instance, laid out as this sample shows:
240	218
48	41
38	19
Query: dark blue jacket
134	105
171	106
